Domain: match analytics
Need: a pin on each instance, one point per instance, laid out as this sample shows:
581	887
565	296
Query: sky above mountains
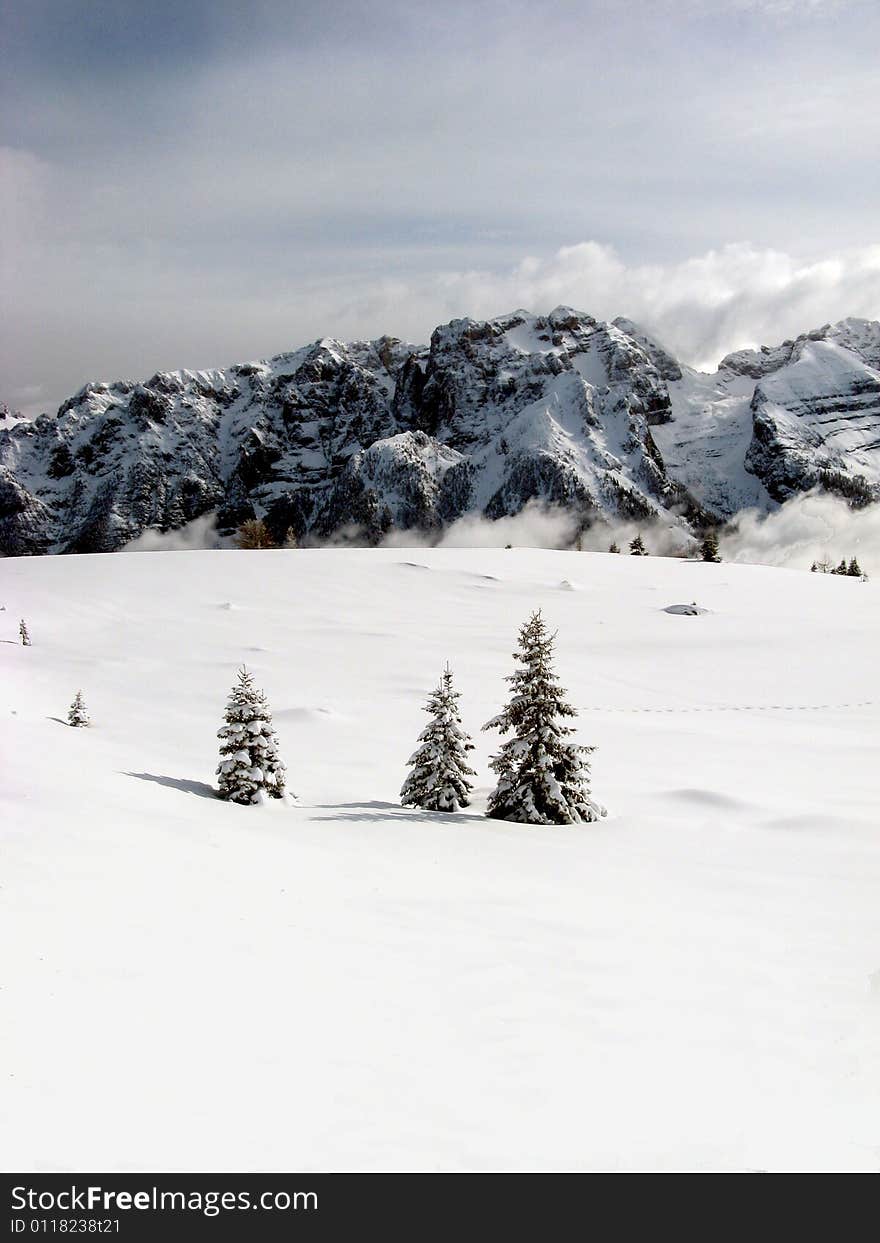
195	184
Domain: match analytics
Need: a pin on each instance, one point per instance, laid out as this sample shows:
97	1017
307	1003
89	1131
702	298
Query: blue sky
195	184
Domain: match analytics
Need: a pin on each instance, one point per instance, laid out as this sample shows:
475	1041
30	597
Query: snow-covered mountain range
369	436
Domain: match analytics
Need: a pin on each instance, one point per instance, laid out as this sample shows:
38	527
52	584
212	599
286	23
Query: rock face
369	436
775	422
816	418
363	437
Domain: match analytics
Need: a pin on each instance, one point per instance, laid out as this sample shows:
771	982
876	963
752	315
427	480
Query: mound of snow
686	610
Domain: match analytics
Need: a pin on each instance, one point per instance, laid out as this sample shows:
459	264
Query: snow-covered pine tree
543	777
77	715
614	546
709	546
853	569
440	771
637	547
250	769
23	631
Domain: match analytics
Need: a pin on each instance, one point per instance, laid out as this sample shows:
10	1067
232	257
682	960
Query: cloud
703	307
539	525
806	528
194	185
812	527
199	534
536	526
661	539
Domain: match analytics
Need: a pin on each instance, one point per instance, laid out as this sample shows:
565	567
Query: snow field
347	984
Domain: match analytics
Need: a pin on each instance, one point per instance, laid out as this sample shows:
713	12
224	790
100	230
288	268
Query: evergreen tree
853	569
290	540
814	567
613	547
543	777
77	716
440	771
709	547
637	547
23	631
841	569
250	769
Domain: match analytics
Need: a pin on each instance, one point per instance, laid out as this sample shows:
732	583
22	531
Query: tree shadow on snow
374	811
58	721
178	783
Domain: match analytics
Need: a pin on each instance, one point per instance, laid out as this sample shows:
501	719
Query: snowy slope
820	413
345	984
775	422
705	444
9	418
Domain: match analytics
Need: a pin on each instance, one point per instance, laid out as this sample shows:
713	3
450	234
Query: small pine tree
440	771
841	569
813	568
613	547
254	534
290	540
637	547
77	716
250	769
23	631
543	778
709	547
853	569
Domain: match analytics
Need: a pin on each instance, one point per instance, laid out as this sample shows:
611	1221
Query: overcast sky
199	182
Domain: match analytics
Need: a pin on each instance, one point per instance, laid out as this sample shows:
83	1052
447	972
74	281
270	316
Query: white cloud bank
227	188
805	529
76	318
701	308
201	533
535	526
812	527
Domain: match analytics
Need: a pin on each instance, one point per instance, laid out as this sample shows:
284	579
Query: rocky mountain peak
369	435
